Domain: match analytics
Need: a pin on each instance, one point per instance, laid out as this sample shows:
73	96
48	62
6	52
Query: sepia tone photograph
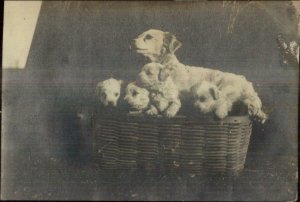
150	100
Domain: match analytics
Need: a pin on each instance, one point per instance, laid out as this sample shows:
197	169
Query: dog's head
155	44
136	97
205	95
108	91
152	75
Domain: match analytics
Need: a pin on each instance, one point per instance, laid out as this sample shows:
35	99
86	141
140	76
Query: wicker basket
200	145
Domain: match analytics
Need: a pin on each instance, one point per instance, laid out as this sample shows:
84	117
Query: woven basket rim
178	119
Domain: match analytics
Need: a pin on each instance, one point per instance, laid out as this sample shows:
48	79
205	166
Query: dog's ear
214	92
164	73
171	43
194	89
145	91
120	82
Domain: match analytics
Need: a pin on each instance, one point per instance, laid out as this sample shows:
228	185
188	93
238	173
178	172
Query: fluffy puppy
140	99
108	91
164	94
208	97
137	97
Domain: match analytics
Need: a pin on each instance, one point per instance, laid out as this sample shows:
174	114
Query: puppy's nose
111	103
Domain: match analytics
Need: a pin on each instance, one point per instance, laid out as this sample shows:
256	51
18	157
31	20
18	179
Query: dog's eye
148	72
103	95
202	98
116	94
134	93
148	37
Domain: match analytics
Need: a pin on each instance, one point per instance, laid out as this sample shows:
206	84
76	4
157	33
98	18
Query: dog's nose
132	44
111	103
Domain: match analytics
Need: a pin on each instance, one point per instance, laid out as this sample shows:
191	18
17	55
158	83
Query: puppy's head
152	75
155	44
205	95
136	97
108	91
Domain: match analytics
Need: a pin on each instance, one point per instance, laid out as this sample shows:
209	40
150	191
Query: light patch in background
20	18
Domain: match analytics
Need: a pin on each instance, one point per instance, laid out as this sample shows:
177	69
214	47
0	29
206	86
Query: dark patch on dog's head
164	73
171	44
214	92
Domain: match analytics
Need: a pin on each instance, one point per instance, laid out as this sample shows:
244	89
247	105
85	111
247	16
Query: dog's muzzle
111	103
132	45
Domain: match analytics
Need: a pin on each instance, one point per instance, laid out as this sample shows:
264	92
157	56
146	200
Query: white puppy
208	97
140	99
164	94
108	91
137	97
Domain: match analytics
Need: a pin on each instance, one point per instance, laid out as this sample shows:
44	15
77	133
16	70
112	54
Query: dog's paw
151	112
253	110
221	113
261	117
170	113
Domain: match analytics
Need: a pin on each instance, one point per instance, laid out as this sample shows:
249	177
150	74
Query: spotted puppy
144	102
137	97
164	94
108	91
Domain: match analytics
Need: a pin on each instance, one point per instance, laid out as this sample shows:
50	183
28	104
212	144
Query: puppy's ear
145	92
194	89
120	82
163	74
214	92
171	43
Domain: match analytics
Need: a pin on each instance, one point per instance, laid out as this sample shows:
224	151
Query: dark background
45	151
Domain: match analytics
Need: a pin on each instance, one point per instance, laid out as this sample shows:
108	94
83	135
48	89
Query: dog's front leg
152	110
222	109
253	103
173	108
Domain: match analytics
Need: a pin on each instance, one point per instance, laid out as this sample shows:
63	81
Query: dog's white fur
208	97
108	91
160	47
137	97
164	94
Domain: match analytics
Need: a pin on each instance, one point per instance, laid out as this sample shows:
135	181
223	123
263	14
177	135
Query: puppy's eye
148	72
103	95
202	98
148	37
134	93
116	94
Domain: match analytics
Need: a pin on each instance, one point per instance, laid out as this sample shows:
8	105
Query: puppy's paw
152	111
261	117
253	110
170	113
221	113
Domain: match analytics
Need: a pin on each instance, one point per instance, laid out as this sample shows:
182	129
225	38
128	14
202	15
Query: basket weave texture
198	145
